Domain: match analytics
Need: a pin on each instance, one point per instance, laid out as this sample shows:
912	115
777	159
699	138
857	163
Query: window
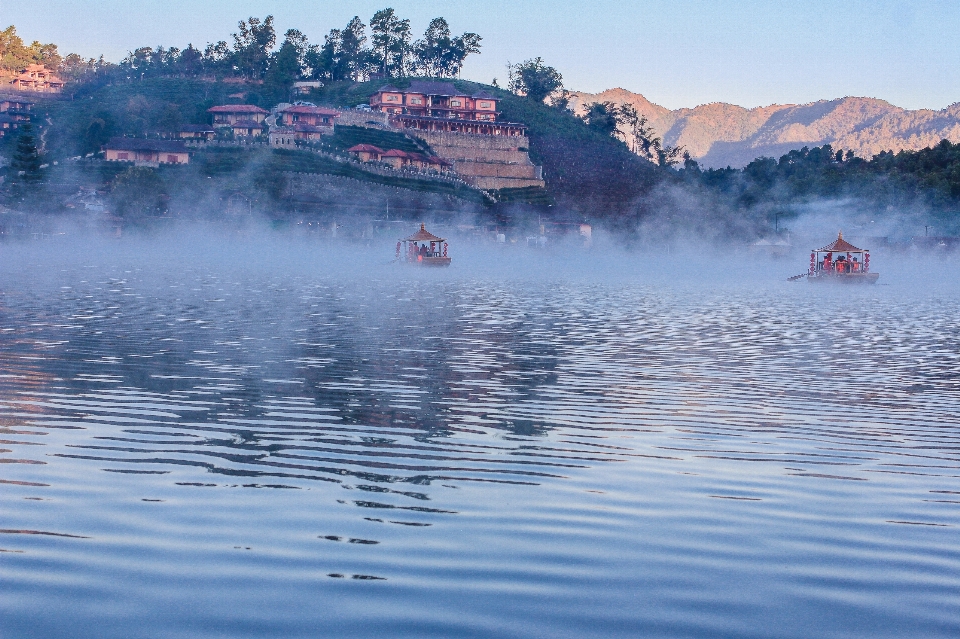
455	103
484	105
416	100
123	156
392	98
172	159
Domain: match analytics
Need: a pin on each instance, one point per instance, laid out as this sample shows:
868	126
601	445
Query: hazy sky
677	53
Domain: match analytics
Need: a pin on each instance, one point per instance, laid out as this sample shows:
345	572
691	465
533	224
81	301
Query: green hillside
346	136
98	112
585	171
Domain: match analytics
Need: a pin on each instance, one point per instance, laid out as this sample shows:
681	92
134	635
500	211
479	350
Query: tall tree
391	43
641	136
190	62
534	79
15	55
320	59
463	46
138	192
252	45
353	40
342	56
602	117
26	157
26	173
217	58
645	142
440	55
286	65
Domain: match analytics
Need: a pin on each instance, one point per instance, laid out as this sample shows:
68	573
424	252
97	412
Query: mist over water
212	434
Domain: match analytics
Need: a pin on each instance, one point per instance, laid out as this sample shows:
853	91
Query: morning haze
466	321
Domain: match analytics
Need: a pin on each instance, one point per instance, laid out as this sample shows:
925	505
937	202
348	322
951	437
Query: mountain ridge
719	134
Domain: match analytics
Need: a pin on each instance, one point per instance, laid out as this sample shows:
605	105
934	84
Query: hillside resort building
244	120
13	113
302	122
37	78
439	106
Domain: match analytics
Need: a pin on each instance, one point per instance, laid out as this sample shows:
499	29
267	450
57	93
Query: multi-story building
302	122
37	77
13	113
245	120
309	115
440	106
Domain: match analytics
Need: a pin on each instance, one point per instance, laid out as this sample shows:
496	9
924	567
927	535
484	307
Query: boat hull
845	278
429	261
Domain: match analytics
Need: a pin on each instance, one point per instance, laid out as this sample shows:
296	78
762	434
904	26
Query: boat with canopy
423	248
840	261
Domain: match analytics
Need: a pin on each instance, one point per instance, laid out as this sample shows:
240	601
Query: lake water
216	439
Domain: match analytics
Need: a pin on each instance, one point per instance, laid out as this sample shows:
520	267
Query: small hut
423	248
841	261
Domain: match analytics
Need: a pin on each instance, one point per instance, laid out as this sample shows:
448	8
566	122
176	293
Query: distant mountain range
720	134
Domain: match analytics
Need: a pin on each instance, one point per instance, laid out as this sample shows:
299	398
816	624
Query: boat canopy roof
423	235
840	245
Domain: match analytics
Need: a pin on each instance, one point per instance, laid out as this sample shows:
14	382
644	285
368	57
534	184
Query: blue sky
678	53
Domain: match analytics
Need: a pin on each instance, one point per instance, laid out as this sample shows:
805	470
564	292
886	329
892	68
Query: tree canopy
535	79
15	55
353	52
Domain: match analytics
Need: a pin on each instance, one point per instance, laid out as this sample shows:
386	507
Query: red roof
423	235
236	108
840	245
140	144
246	124
364	148
396	153
313	110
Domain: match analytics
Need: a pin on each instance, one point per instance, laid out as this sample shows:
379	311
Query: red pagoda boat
423	248
842	262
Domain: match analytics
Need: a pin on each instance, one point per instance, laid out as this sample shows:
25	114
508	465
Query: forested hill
586	171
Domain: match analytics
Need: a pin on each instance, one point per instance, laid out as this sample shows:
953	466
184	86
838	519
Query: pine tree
26	162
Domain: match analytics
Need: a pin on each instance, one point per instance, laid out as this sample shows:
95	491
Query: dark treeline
929	176
894	194
386	47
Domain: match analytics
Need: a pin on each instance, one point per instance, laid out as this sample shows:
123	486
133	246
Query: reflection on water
209	450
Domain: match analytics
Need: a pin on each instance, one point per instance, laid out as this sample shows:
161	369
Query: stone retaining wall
352	117
486	161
